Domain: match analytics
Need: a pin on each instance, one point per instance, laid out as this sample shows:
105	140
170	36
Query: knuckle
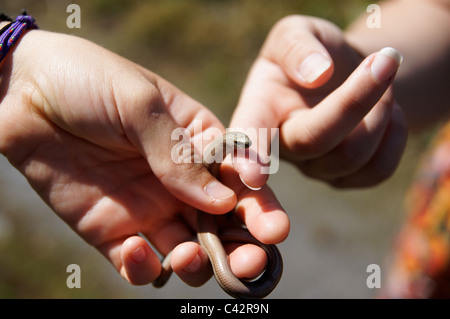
371	174
356	106
144	97
286	22
384	170
353	157
306	144
291	49
289	27
151	101
290	21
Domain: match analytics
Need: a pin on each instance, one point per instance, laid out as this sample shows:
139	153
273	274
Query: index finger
311	133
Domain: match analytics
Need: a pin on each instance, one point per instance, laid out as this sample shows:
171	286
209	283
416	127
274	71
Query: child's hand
338	121
91	132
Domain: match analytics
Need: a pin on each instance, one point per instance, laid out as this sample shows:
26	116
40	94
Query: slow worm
209	237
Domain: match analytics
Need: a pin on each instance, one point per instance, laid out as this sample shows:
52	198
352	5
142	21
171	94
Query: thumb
150	127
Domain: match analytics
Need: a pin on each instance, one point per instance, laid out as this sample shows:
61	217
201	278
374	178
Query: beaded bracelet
10	36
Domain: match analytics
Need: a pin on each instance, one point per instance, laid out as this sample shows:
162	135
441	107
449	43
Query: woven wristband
10	36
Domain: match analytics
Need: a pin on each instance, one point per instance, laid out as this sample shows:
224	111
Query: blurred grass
204	47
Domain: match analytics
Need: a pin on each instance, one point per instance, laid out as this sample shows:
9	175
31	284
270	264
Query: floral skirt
420	262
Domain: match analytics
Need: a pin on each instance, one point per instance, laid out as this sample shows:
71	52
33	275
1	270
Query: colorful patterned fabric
420	265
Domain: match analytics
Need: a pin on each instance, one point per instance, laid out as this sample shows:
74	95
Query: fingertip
272	227
185	257
191	264
246	261
250	177
217	191
385	64
314	70
140	265
295	45
221	198
249	174
251	182
264	216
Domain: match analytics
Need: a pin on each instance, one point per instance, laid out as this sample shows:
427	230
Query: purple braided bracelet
13	33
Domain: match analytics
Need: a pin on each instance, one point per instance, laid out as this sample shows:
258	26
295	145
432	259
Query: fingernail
138	255
386	63
248	186
217	191
313	67
194	265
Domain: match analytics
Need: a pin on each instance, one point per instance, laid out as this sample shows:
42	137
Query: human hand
338	121
91	132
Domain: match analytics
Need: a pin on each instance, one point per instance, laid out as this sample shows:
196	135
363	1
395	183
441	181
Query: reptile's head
241	140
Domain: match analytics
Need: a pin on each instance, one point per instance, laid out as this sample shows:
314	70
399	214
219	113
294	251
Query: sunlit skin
341	126
91	132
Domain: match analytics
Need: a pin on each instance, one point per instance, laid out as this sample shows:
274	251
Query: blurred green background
206	48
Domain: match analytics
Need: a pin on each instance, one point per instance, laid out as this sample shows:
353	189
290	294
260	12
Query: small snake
208	235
